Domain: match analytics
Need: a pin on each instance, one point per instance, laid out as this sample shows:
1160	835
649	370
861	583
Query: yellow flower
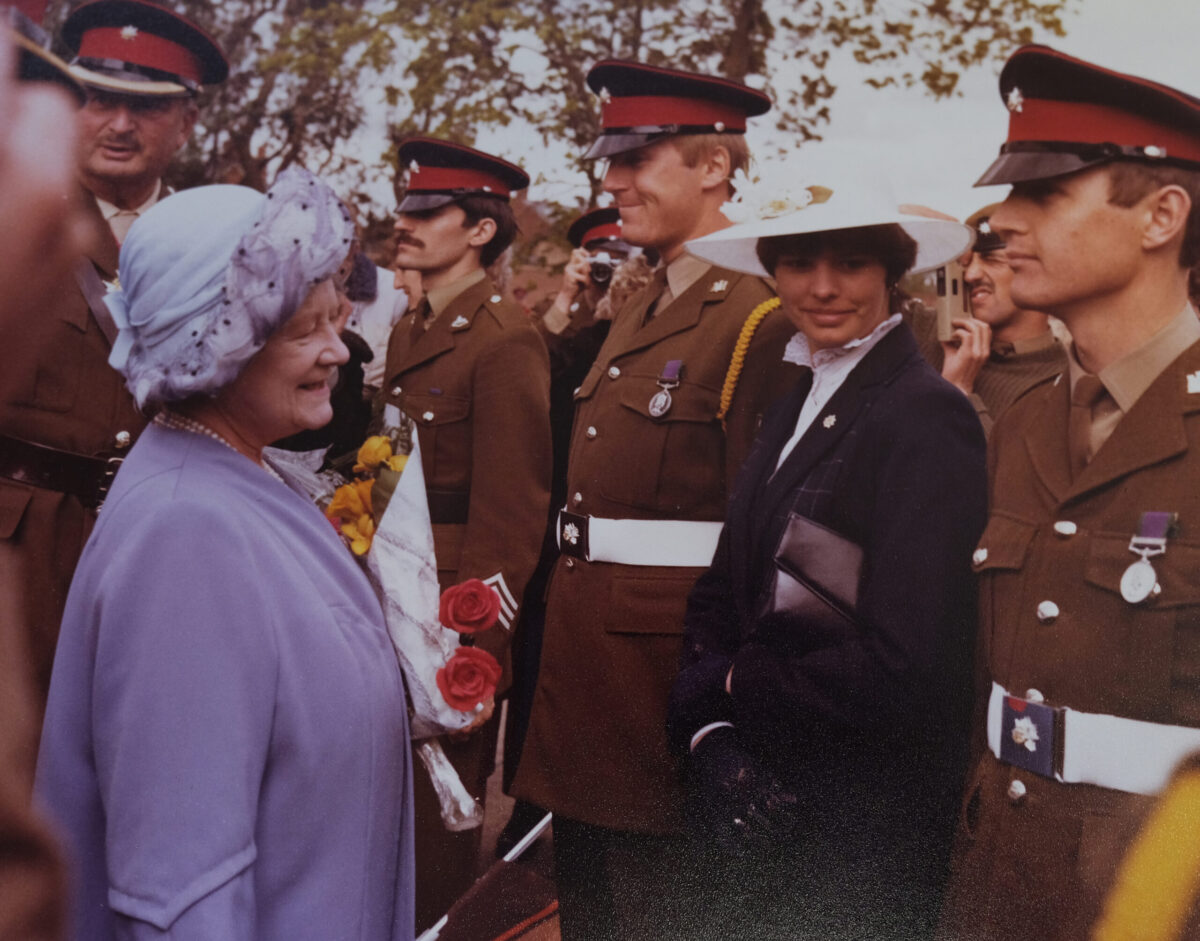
350	501
374	451
360	532
397	461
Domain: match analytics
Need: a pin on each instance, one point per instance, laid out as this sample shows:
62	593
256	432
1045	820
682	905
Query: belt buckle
573	534
112	464
1031	736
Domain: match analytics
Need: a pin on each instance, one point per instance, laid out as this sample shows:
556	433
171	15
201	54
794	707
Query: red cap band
649	110
141	48
1042	119
609	230
454	178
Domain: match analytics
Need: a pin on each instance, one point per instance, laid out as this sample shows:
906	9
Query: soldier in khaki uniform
66	417
470	369
1090	614
662	424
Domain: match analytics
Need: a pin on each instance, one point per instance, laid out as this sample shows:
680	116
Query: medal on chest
668	379
1139	583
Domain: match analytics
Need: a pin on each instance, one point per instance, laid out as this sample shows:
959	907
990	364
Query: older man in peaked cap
66	417
1090	617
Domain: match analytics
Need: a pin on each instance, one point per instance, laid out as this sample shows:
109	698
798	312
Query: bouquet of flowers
382	513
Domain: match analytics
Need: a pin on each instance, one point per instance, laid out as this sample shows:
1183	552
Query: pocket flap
426	409
650	603
14	498
1003	545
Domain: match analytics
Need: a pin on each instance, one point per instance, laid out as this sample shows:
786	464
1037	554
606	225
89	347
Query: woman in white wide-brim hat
822	707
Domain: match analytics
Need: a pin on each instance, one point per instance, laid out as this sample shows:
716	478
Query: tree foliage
304	71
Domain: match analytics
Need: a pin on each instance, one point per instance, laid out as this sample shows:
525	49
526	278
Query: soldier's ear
481	232
1166	214
717	166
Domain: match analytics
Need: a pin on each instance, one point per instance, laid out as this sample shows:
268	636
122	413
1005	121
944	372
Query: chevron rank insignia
508	604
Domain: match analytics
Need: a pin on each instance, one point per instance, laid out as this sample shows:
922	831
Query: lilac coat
226	742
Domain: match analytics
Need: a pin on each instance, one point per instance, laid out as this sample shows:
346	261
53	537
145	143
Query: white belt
677	543
1108	751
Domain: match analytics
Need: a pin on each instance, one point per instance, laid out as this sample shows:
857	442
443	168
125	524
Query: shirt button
122	439
570	563
1047	611
574	307
613	372
396	390
577	498
1034	695
591	432
1065	528
1016	791
427	416
979	556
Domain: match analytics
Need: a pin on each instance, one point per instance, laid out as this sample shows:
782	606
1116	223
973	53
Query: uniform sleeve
510	473
908	667
183	694
710	639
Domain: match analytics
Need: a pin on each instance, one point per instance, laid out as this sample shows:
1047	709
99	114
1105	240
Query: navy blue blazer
873	721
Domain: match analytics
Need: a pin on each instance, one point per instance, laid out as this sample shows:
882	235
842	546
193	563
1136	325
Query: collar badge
719	286
459	321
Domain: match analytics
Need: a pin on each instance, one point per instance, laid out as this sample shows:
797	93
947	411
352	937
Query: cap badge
830	421
604	95
570	534
129	32
1016	101
459	321
1193	381
719	286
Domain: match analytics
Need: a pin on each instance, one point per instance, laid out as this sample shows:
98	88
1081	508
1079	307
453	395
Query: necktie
658	284
1088	391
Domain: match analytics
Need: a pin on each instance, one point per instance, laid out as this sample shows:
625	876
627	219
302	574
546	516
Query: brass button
613	372
495	298
1034	695
396	390
1047	612
577	498
427	416
570	563
123	439
1016	791
979	556
591	432
1065	528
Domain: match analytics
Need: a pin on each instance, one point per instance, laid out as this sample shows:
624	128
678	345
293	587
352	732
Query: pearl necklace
174	420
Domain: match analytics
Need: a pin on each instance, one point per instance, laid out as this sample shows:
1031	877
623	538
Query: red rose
469	607
468	678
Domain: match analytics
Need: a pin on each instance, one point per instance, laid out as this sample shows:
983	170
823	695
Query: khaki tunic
596	749
59	392
477	384
1038	867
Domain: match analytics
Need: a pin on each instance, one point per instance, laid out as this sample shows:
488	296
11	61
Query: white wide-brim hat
823	205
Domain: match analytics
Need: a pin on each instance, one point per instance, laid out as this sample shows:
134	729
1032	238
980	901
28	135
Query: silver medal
660	403
1139	582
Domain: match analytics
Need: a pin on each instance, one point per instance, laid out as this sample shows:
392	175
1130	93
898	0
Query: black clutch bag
817	573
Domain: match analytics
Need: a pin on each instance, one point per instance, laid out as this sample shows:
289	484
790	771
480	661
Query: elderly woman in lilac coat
226	742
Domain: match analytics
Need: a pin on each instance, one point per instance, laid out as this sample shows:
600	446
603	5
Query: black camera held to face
601	268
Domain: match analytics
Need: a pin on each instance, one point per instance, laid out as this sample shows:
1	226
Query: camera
602	268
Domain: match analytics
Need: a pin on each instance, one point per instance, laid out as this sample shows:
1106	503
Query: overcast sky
933	151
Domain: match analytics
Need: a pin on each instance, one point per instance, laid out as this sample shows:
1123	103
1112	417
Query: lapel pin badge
830	421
